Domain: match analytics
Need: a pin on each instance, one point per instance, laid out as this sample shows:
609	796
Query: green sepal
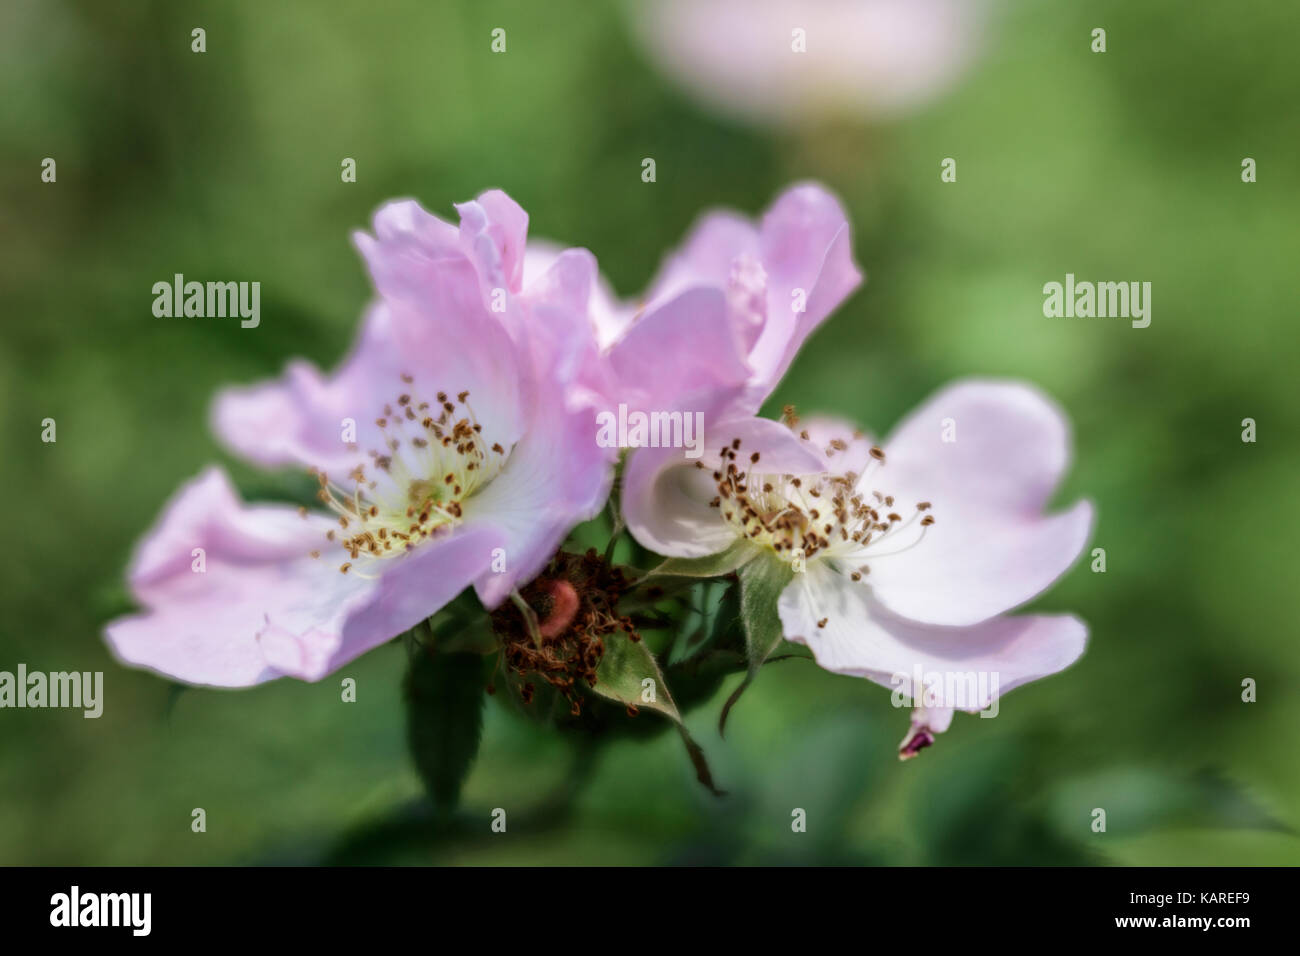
761	584
621	676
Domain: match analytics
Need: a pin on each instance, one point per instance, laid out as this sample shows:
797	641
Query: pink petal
705	256
556	477
1012	446
559	330
206	512
495	229
684	355
803	245
300	419
413	587
609	316
991	549
780	450
410	246
967	572
806	246
263	607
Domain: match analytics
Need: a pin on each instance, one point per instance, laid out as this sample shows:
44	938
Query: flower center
434	458
837	516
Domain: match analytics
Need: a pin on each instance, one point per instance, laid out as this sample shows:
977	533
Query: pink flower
450	450
905	557
723	320
853	58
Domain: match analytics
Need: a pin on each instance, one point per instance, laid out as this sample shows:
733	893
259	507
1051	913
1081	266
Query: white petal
861	638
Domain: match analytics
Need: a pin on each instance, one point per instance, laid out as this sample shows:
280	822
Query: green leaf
761	584
623	669
444	720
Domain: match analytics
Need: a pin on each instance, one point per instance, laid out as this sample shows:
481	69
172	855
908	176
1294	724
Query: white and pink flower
451	446
906	555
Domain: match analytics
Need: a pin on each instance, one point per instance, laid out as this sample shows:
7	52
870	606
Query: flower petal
705	256
1006	450
262	607
495	229
682	356
411	246
303	417
556	477
665	496
990	549
413	587
609	316
972	568
859	637
665	504
779	280
780	450
560	329
807	253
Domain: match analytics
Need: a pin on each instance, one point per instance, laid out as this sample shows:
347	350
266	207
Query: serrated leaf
444	720
623	669
761	583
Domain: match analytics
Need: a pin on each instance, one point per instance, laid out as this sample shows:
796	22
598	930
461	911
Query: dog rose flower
904	556
451	448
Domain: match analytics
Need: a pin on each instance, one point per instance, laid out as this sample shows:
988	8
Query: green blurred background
226	165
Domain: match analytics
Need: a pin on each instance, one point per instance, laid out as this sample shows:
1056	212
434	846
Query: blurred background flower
796	62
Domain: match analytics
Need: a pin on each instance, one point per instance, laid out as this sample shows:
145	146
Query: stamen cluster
434	458
836	515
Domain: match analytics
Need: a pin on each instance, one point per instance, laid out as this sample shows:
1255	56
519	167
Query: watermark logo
76	689
958	690
212	300
103	909
639	429
1124	300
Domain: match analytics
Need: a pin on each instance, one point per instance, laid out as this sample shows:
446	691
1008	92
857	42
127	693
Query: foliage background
226	165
